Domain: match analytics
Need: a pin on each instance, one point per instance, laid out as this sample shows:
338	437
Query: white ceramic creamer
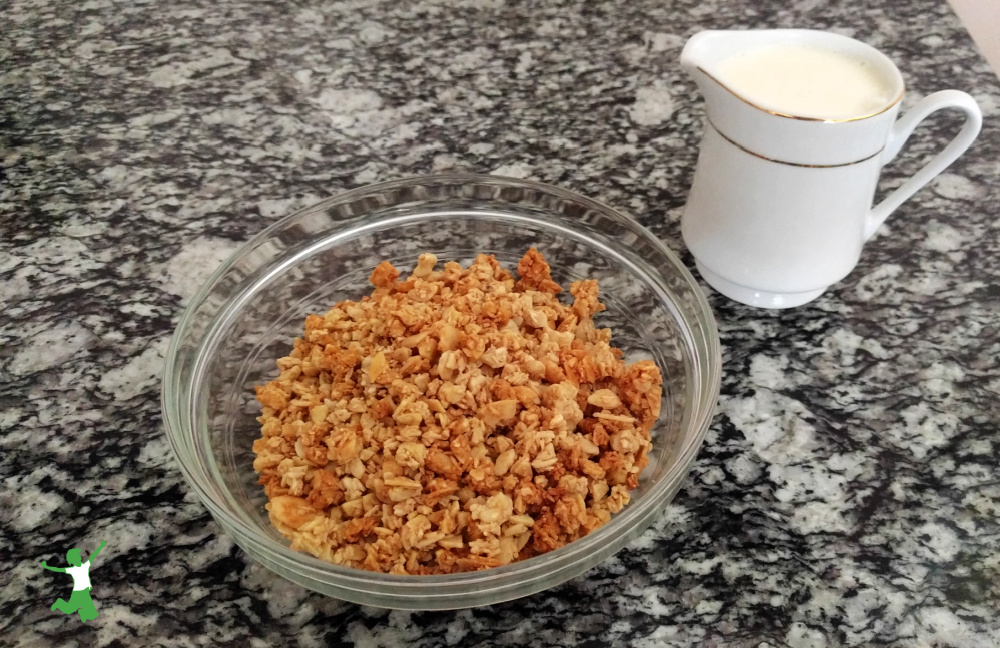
800	123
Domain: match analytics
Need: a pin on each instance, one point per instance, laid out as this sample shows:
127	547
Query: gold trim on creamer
799	117
795	164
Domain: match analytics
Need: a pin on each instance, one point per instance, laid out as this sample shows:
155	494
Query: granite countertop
847	492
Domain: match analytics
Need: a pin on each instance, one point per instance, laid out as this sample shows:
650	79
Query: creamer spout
702	55
705	50
697	51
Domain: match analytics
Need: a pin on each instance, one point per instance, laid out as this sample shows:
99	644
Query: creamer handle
901	131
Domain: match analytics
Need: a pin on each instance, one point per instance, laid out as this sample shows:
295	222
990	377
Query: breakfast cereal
453	420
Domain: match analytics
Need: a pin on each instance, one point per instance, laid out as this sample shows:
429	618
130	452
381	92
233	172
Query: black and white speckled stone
846	494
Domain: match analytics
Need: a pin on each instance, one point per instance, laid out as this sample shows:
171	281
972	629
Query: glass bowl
249	311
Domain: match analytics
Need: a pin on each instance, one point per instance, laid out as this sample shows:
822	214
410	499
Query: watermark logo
80	601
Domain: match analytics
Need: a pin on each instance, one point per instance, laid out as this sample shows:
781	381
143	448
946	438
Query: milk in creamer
806	82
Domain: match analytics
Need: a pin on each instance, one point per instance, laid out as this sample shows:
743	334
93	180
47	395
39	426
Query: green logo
80	601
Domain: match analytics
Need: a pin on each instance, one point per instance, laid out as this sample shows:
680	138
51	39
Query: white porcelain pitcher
781	204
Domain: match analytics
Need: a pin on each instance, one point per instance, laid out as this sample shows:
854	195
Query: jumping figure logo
80	600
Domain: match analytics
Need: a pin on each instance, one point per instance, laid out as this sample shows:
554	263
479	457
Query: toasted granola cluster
455	420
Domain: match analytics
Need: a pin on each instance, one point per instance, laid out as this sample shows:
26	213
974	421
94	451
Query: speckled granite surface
847	494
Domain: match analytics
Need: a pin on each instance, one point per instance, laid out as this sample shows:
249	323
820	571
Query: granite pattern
847	493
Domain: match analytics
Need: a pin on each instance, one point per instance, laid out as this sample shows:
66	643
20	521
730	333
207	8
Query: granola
454	420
